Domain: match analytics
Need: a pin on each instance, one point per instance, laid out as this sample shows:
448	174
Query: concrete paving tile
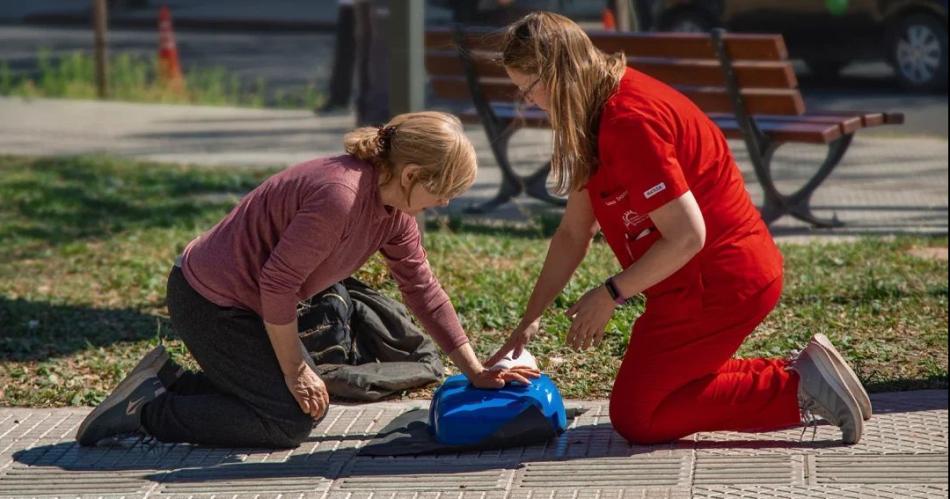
753	470
820	492
605	473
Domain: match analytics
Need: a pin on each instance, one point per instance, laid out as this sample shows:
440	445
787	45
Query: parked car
828	34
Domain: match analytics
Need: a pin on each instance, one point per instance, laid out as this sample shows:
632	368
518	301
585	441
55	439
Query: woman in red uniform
641	163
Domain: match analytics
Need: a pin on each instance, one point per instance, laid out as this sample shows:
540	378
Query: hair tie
384	139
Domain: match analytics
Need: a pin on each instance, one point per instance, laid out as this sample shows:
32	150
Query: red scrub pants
678	376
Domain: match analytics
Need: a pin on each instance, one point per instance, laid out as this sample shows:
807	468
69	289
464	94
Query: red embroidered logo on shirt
653	191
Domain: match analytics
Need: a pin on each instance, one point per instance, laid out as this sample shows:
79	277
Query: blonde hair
435	141
579	79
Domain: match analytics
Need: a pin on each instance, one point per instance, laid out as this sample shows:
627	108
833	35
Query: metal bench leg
799	202
536	186
511	185
773	203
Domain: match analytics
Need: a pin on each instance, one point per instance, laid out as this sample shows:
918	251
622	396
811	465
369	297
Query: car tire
918	51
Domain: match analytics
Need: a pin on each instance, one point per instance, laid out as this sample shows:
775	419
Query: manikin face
530	87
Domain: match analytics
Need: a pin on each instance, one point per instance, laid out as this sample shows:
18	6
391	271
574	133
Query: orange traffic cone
610	22
169	71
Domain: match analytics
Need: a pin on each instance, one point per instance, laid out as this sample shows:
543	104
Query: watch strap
614	291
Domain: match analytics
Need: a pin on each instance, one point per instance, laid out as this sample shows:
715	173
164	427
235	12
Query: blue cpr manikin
461	414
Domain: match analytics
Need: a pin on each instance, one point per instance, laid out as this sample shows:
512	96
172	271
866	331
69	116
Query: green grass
134	78
86	244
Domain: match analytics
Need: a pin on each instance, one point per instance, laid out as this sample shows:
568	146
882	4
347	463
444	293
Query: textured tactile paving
732	470
821	492
236	478
603	493
903	455
884	469
26	481
605	473
372	474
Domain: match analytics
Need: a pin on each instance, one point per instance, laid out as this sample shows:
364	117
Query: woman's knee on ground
633	420
291	432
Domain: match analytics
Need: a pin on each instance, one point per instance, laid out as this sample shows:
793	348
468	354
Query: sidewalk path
903	455
883	186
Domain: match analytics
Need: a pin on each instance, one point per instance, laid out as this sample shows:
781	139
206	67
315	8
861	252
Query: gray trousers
372	100
239	398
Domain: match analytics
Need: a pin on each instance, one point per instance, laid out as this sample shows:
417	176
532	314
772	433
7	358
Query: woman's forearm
289	350
565	253
659	262
683	235
464	358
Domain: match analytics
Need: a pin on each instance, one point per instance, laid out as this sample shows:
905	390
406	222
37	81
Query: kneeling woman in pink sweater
233	293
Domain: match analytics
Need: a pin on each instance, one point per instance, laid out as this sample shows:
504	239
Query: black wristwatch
614	291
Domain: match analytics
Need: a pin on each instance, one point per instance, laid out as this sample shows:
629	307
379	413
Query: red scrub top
654	144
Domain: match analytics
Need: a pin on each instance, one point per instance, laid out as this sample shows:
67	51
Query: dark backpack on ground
365	345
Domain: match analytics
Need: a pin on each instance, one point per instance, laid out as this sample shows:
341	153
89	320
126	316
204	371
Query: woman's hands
309	391
304	384
496	378
589	316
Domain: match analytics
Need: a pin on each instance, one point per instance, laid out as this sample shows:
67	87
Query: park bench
744	82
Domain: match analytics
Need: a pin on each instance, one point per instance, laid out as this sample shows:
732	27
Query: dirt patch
929	253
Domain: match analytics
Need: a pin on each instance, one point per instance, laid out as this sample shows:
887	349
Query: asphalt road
291	61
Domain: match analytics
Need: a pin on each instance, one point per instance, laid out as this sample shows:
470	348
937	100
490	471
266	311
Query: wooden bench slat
706	72
741	46
814	133
443	62
709	99
849	123
757	101
444	39
457	88
894	118
868	118
751	47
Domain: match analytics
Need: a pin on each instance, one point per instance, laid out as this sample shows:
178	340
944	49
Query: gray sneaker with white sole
823	392
850	378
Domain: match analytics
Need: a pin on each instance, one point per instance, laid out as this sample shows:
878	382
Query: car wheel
687	22
918	50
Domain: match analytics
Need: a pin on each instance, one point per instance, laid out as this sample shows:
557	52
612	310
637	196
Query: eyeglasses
523	95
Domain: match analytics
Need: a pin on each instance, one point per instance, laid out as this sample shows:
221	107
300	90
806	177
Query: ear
408	174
